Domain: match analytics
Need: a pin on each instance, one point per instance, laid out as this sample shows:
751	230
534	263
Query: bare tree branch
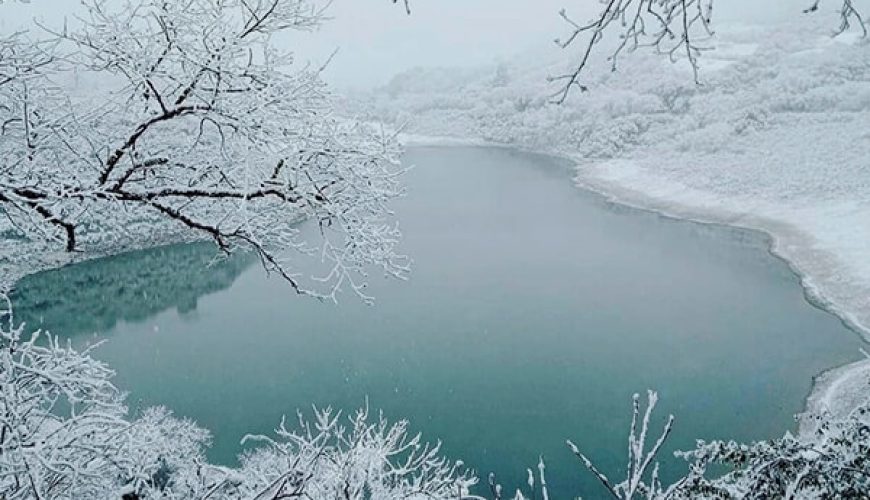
678	29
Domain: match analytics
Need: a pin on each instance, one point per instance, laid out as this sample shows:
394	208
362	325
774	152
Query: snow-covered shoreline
20	260
837	390
820	270
823	273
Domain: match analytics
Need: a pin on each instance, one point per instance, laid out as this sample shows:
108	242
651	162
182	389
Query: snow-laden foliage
832	463
66	434
162	117
64	431
366	459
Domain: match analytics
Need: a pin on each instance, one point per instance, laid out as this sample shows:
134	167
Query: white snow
838	391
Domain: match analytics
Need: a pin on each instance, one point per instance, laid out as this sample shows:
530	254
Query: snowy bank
838	391
828	246
777	139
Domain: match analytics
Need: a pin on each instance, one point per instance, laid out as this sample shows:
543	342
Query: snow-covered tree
63	426
185	118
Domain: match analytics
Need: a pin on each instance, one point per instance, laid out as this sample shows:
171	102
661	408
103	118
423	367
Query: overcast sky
376	39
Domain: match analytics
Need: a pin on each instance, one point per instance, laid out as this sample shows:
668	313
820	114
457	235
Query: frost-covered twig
848	14
639	460
671	27
676	28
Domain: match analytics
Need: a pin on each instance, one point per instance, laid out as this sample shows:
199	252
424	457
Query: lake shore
824	274
821	271
569	302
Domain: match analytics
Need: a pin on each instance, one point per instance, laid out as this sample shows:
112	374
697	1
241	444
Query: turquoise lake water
534	312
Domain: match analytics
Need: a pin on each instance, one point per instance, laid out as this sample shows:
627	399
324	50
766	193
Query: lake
535	310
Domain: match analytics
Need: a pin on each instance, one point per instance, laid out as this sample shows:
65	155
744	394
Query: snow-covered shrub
64	431
358	457
833	463
66	434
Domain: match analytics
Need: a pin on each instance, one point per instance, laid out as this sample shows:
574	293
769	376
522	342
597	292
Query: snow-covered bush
65	433
832	463
363	458
58	415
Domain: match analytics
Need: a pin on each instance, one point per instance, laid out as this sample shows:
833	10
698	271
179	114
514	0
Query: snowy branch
678	29
671	27
848	15
186	114
407	5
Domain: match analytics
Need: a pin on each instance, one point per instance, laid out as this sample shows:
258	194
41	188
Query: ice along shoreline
837	390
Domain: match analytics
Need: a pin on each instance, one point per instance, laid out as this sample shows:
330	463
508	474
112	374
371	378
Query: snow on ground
777	139
838	391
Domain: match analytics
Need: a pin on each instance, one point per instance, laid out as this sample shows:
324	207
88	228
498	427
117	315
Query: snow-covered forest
142	123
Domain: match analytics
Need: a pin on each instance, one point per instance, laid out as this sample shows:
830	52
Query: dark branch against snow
187	115
679	29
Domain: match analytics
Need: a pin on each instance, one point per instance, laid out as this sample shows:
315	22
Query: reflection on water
93	296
